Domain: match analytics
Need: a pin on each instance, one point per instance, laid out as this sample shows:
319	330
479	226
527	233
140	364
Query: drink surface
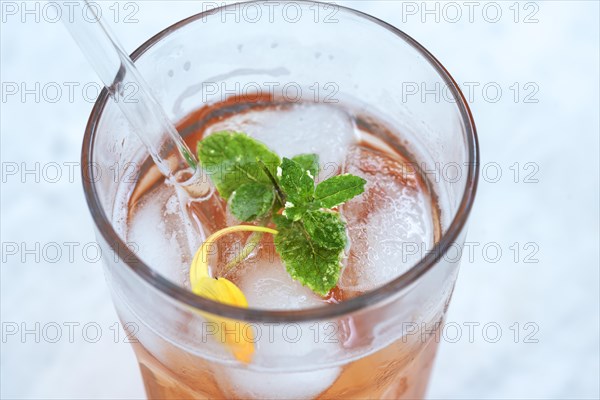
395	213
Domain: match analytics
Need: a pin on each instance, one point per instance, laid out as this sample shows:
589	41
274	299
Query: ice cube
390	225
267	285
160	234
304	128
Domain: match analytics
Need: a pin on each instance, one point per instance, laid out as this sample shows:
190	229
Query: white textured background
558	54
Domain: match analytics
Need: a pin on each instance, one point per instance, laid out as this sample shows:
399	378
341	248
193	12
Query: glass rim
378	295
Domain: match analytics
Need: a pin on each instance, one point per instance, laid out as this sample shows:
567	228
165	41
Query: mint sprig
260	186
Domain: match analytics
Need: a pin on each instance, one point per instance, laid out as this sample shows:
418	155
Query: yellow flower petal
240	341
230	332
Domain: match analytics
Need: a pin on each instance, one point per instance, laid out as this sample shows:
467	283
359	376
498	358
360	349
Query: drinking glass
380	344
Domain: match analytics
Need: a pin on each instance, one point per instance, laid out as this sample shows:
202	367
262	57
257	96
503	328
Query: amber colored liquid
398	371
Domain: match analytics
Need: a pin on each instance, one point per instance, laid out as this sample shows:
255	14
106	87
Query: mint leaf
311	238
251	201
312	265
298	186
339	189
294	212
230	159
326	229
309	162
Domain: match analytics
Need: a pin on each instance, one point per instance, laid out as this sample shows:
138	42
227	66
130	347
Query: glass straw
147	117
